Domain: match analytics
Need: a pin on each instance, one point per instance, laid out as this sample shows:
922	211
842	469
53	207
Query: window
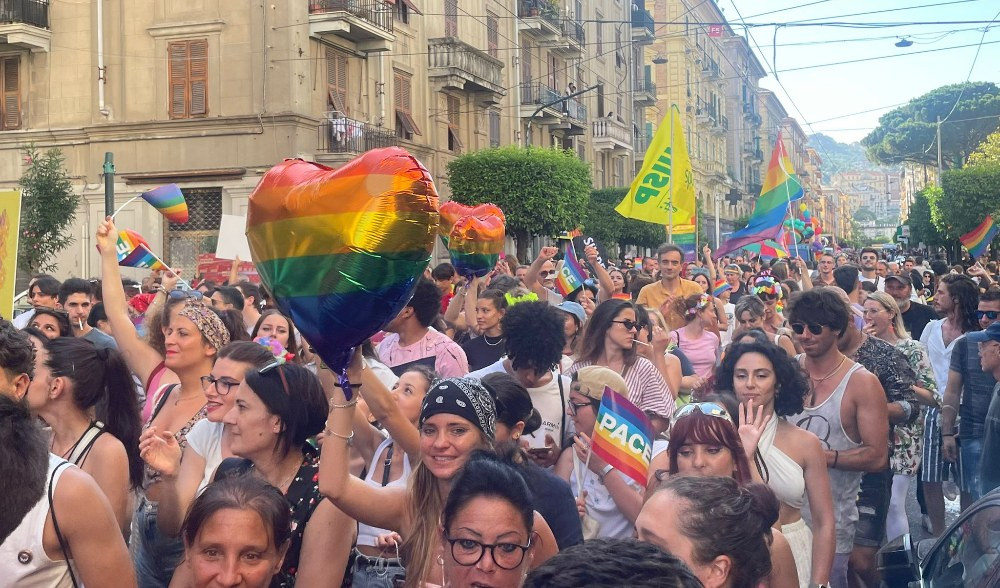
336	81
494	128
967	556
201	233
492	34
451	18
405	8
526	65
406	127
454	124
578	10
600	100
188	62
10	78
620	113
581	150
553	67
619	53
599	40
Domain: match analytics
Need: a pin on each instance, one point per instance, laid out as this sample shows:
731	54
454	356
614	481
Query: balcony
611	135
539	19
571	41
534	95
755	119
758	156
456	65
366	23
643	32
641	143
643	91
574	120
705	112
720	125
25	24
339	134
710	68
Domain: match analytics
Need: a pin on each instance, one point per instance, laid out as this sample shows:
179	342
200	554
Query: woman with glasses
185	473
700	345
751	313
51	322
883	320
788	459
609	341
457	417
487	526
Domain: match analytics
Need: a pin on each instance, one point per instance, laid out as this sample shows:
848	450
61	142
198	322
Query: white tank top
23	562
366	533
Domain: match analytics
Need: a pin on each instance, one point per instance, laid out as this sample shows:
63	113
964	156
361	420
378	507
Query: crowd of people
154	435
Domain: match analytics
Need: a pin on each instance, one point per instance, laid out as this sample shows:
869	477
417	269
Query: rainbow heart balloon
451	211
341	250
475	244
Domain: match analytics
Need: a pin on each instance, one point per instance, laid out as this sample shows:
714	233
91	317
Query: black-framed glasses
629	324
185	295
468	552
575	406
990	314
223	387
799	328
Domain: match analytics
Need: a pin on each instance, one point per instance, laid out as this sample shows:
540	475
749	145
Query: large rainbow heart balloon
475	244
451	211
341	250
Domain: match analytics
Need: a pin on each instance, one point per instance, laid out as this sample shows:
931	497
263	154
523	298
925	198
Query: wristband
604	472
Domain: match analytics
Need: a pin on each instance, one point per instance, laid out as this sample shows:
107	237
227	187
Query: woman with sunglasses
457	417
51	322
751	313
788	459
609	341
700	345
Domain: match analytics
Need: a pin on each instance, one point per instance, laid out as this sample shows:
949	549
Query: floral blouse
907	439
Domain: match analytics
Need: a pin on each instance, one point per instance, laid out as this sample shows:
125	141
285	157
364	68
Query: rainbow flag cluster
169	201
980	237
623	436
570	275
134	251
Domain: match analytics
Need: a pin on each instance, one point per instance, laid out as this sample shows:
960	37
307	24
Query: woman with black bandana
458	416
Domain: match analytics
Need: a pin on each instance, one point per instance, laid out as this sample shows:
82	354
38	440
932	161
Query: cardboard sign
233	239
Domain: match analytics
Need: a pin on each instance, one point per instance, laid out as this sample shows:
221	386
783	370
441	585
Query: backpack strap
55	523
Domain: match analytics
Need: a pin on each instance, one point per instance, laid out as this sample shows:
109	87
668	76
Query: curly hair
534	336
791	386
17	355
965	293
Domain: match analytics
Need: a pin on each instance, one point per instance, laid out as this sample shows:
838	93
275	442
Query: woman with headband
698	343
770	292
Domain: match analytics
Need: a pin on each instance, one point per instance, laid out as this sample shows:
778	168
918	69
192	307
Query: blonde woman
883	320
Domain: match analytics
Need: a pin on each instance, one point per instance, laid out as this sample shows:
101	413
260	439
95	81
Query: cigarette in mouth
80	320
642	343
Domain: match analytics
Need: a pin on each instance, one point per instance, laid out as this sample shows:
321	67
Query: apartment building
746	165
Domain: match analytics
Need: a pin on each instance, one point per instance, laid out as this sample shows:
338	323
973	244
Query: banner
623	436
10	223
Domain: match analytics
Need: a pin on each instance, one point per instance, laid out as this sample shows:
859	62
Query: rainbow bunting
978	238
570	272
780	188
721	285
134	251
623	436
169	201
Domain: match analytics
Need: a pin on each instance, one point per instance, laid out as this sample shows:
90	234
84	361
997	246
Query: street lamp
554	102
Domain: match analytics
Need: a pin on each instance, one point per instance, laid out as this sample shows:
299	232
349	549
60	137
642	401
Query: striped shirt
647	389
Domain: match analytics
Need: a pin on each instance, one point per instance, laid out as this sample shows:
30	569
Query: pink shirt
703	351
450	359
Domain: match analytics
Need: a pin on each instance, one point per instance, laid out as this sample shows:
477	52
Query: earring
517	436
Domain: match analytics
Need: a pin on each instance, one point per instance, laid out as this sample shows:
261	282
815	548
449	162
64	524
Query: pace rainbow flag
978	238
134	251
570	272
623	436
780	188
169	200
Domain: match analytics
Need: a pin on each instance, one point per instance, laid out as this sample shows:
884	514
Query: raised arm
531	277
872	417
706	252
603	277
807	283
385	409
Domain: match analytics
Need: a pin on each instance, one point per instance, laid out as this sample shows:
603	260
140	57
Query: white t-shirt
730	310
205	439
547	400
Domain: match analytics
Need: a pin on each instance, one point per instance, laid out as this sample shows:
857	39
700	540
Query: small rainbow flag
570	272
169	201
684	237
978	238
721	285
134	251
623	436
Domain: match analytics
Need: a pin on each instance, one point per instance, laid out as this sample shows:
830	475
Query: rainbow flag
767	249
134	251
169	201
684	237
780	188
978	238
720	287
570	272
623	436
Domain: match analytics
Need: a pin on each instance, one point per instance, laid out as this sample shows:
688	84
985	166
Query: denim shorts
873	508
376	572
970	452
154	555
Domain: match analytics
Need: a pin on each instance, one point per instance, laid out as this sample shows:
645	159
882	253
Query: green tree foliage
966	197
907	133
922	229
604	224
541	191
987	152
48	206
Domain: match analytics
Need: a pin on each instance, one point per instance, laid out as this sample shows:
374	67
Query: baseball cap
733	269
990	333
574	309
904	280
591	381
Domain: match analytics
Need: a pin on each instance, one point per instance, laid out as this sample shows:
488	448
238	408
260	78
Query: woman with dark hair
83	392
788	459
609	341
487	347
277	326
619	282
751	313
770	292
238	528
51	322
720	528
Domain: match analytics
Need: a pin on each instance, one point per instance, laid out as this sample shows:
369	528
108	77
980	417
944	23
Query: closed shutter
188	78
177	54
336	80
525	64
198	68
10	78
492	34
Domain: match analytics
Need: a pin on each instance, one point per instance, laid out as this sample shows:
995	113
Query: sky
831	99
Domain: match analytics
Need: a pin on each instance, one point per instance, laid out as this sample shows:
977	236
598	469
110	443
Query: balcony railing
377	12
339	134
539	94
543	8
724	123
575	109
606	128
31	12
573	30
642	19
476	67
643	84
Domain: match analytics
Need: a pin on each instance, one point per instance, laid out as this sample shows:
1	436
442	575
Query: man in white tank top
842	410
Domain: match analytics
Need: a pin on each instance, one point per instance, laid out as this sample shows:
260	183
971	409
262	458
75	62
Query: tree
48	206
987	152
966	197
602	222
541	191
908	133
922	229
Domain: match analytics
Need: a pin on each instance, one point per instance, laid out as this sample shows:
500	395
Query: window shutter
11	93
198	75
492	34
336	79
405	95
451	18
454	109
177	54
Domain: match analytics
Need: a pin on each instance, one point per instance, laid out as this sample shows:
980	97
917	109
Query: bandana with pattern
464	397
211	326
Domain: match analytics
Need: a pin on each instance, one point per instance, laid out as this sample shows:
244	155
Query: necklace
815	382
73	447
288	481
486	339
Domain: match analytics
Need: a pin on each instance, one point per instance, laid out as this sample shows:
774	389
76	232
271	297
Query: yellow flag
10	221
665	181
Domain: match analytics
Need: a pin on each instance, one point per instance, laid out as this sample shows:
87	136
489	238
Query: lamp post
531	118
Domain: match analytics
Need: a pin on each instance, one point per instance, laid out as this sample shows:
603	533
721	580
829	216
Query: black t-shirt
553	499
916	318
735	295
483	351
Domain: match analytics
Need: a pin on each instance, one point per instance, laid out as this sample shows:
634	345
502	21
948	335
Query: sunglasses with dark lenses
185	294
545	274
712	409
629	324
990	314
799	328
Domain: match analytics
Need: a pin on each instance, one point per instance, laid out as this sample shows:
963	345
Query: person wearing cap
609	501
988	342
575	317
737	288
914	314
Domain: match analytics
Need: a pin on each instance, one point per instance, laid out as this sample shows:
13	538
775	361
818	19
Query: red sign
715	30
217	270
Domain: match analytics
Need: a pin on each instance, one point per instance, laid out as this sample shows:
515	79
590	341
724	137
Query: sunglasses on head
799	328
629	324
185	294
712	409
990	314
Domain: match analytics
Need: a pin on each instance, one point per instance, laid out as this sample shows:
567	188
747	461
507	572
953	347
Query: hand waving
160	451
751	426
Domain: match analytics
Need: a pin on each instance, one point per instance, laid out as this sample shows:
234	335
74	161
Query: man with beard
869	268
915	315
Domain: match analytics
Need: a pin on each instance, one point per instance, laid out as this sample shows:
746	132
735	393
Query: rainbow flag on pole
134	251
978	238
169	200
623	436
570	275
780	188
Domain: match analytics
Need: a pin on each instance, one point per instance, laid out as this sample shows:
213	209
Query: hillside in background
838	157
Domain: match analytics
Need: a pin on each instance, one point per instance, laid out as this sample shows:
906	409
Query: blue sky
827	92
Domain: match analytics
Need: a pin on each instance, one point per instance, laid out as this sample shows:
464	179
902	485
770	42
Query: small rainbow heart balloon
341	250
475	244
451	211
